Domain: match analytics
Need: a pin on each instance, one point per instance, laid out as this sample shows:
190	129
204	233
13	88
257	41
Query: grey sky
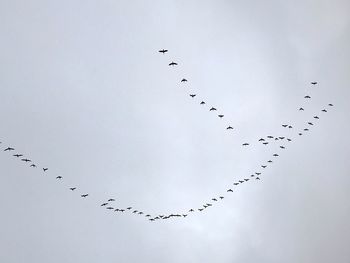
84	92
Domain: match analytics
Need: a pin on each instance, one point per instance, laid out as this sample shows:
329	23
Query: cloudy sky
85	93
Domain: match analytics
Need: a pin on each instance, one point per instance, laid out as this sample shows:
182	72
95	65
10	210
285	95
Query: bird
163	51
314	83
282	147
246	179
109	208
115	210
306	129
265	143
310	123
151	219
202	103
269	161
45	169
276	139
9	149
193	95
257	173
285	125
72	188
275	155
252	175
191	210
307	97
104	204
261	140
235	183
122	210
212	108
221	197
263	166
229	128
135	211
129	208
300	134
59	177
33	165
172	63
140	213
221	115
245	144
330	104
288	139
241	181
324	110
270	136
184	80
214	199
257	178
18	155
111	200
290	126
25	160
229	190
200	209
301	108
316	117
84	195
184	215
147	215
281	138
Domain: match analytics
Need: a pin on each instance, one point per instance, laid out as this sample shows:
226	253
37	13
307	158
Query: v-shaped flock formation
281	140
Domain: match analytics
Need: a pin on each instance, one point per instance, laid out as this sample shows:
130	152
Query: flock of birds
282	140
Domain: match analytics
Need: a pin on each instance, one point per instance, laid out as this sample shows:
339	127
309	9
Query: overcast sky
85	93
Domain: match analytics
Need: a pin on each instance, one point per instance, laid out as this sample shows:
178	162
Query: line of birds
108	204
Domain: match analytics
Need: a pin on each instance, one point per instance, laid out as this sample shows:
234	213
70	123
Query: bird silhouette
300	133
45	169
25	160
18	155
129	208
282	147
202	103
33	165
246	179
85	195
269	161
220	115
109	208
191	210
229	128
184	80
285	125
288	139
235	183
245	144
261	140
316	117
324	110
306	129
330	104
290	126
314	83
229	190
193	95
310	123
163	51
104	204
301	108
214	199
72	188
275	155
184	215
257	178
257	173
265	143
270	137
241	181
172	64
221	197
212	108
9	149
307	97
111	200
59	177
263	166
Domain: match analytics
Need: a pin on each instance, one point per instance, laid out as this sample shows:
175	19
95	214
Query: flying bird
59	177
72	188
235	183
45	169
269	161
229	128
191	210
316	117
289	139
324	110
241	181
275	155
290	126
163	51
109	208
314	83
257	178
104	204
285	125
220	115
25	160
270	137
307	97
265	143
212	108
193	95
33	165
301	108
245	144
310	123
84	195
184	80
257	173
300	134
202	103
214	199
229	190
9	149
111	200
263	166
172	64
330	104
282	147
306	129
221	197
18	155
